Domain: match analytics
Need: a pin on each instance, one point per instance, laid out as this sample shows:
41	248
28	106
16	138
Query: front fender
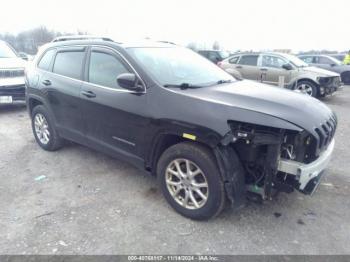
236	74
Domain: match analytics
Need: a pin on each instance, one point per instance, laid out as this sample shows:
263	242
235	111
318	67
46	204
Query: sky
299	25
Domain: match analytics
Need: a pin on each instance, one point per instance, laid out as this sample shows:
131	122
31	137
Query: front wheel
190	181
307	88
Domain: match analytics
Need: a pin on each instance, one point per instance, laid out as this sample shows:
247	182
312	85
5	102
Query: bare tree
216	45
28	41
192	45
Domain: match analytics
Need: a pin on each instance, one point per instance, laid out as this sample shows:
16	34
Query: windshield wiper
223	81
182	86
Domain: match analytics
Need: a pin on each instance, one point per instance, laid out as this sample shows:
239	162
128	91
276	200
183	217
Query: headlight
324	80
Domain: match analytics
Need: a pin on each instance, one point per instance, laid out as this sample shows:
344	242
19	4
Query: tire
307	88
41	121
345	77
202	162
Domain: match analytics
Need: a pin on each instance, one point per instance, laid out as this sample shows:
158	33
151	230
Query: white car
12	87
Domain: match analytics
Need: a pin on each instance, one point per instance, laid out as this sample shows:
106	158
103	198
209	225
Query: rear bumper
17	92
308	175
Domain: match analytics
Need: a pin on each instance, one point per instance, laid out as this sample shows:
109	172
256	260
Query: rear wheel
43	129
190	181
307	88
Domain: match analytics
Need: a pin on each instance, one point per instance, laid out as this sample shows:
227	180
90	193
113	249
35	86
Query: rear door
62	89
114	117
247	66
272	71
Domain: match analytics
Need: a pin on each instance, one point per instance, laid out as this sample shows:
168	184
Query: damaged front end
329	85
278	160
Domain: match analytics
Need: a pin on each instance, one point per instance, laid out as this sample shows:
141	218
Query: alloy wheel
41	128
187	184
305	89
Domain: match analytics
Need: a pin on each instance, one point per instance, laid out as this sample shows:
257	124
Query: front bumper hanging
307	175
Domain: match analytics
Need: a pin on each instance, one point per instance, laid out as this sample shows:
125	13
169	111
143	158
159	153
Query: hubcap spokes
187	183
41	128
305	89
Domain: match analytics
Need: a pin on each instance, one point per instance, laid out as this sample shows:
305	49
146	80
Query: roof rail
81	37
166	42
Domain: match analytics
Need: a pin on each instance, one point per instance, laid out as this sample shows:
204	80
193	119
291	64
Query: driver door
114	117
272	71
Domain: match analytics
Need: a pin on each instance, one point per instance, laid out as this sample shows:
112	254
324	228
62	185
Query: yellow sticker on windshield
189	136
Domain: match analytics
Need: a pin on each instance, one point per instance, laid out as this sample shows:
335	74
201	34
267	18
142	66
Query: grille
326	133
8	73
337	81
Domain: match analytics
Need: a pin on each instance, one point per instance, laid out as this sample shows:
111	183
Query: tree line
30	40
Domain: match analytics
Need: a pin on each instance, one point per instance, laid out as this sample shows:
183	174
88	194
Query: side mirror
287	66
129	81
333	65
23	56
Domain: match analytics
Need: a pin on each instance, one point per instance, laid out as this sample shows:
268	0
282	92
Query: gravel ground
89	203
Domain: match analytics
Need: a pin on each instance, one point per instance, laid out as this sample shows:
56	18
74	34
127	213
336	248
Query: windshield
334	60
224	54
177	66
6	51
295	60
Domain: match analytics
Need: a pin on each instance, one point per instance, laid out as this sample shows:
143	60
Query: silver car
329	63
283	70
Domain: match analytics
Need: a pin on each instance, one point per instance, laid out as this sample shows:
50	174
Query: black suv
206	136
215	56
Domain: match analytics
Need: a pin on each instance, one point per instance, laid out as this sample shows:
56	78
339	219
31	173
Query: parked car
206	136
25	56
329	63
339	57
215	56
12	87
283	70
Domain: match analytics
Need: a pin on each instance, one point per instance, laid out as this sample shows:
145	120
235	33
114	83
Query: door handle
88	94
46	82
263	69
238	67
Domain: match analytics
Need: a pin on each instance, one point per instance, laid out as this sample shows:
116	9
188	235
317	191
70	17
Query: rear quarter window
46	59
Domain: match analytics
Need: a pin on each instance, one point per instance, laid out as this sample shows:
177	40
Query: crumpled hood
296	108
319	71
14	62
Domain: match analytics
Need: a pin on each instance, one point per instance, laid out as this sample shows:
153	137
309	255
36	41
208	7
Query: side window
273	61
69	63
324	60
45	61
104	69
233	60
308	59
251	60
